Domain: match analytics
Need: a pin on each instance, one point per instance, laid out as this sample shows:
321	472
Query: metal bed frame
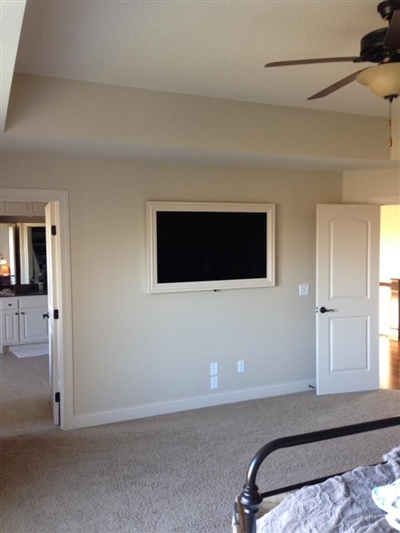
251	498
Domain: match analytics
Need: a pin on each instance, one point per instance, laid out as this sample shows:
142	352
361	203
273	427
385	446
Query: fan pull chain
389	123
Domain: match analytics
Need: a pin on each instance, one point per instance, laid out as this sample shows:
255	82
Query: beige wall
4	242
55	114
372	186
390	242
132	349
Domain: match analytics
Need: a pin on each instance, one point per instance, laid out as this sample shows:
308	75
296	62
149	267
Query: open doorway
59	202
25	405
389	297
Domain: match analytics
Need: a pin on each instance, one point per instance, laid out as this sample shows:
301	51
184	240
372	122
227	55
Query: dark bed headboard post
250	498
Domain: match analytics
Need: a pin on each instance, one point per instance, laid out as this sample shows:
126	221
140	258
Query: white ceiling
209	48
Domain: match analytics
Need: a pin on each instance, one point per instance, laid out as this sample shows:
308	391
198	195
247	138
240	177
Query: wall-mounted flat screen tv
210	246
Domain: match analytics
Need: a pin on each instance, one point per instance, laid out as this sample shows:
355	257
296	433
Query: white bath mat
30	350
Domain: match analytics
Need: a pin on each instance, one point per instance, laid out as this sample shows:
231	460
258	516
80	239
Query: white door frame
66	345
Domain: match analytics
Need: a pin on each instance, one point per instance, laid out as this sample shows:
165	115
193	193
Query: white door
347	298
53	291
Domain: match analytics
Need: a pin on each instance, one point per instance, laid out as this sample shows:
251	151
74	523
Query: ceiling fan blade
311	61
338	85
392	39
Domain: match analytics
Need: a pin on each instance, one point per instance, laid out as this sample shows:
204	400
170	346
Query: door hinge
56	314
57	399
54	230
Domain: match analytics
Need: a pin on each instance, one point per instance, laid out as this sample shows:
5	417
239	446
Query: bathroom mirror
23	246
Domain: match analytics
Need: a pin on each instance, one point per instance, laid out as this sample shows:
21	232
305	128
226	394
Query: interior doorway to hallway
59	199
389	363
389	319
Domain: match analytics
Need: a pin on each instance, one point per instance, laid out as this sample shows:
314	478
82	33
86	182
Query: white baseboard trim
143	411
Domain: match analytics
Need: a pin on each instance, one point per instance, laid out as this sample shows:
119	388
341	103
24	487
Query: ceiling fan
381	46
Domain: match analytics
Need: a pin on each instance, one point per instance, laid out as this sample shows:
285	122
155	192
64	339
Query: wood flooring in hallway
389	363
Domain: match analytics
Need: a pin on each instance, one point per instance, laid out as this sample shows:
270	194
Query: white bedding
342	504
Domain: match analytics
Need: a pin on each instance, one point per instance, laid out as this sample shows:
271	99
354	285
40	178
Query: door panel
348	288
350	244
349	344
52	244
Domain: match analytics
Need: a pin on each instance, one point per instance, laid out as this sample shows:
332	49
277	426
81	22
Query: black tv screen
209	246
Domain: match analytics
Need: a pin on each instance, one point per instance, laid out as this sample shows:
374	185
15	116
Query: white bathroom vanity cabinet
23	320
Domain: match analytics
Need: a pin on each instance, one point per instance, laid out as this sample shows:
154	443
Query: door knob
46	315
325	310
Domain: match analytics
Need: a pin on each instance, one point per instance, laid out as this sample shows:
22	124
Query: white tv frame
154	207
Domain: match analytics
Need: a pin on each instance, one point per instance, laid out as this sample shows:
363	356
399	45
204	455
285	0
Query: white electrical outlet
304	289
213	369
241	366
214	382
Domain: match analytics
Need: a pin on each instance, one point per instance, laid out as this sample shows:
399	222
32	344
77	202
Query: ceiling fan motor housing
387	8
372	49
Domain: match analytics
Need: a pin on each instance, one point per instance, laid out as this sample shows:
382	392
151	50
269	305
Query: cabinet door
9	327
33	327
22	208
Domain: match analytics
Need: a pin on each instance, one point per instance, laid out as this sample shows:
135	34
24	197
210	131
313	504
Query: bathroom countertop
32	293
20	294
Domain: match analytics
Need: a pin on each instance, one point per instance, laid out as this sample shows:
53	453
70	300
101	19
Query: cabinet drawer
8	303
27	302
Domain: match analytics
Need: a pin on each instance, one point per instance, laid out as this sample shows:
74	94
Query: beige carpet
176	473
24	394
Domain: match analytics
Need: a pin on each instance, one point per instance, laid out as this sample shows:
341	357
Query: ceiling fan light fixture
383	80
